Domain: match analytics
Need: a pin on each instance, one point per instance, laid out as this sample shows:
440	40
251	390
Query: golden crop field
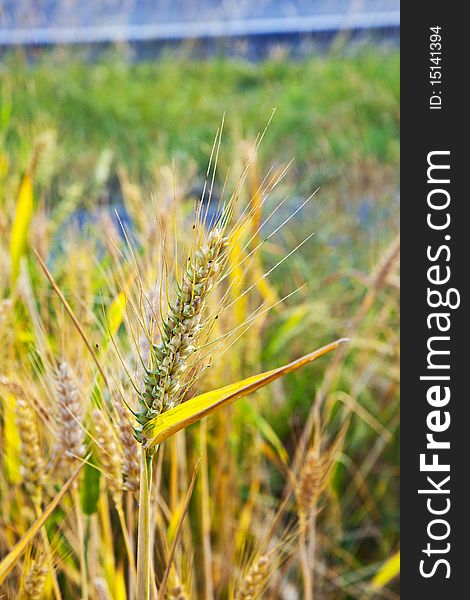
199	325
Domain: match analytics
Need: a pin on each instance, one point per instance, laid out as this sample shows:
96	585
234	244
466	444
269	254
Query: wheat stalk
164	379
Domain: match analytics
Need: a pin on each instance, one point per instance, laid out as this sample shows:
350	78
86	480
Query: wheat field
200	329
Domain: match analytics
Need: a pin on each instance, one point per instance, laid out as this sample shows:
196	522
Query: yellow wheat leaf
237	278
4	164
116	313
11	441
388	571
20	228
175	520
120	592
168	423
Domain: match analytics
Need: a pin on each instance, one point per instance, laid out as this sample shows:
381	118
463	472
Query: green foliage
90	489
331	113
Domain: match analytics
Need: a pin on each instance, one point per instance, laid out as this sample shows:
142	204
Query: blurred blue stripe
207	29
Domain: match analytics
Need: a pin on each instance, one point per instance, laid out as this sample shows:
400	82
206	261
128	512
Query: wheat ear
32	463
70	432
34	578
31	456
109	454
255	580
175	589
314	478
163	385
177	593
129	447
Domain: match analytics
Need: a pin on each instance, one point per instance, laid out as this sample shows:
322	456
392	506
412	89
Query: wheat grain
5	310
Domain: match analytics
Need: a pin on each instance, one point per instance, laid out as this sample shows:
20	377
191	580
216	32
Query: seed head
314	478
70	443
32	463
254	581
129	447
34	578
109	454
164	380
177	593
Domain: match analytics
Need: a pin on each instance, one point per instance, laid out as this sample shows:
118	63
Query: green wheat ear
164	379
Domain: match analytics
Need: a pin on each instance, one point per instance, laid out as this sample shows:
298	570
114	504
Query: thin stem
143	534
130	526
49	553
312	546
50	560
205	515
81	541
305	566
128	544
